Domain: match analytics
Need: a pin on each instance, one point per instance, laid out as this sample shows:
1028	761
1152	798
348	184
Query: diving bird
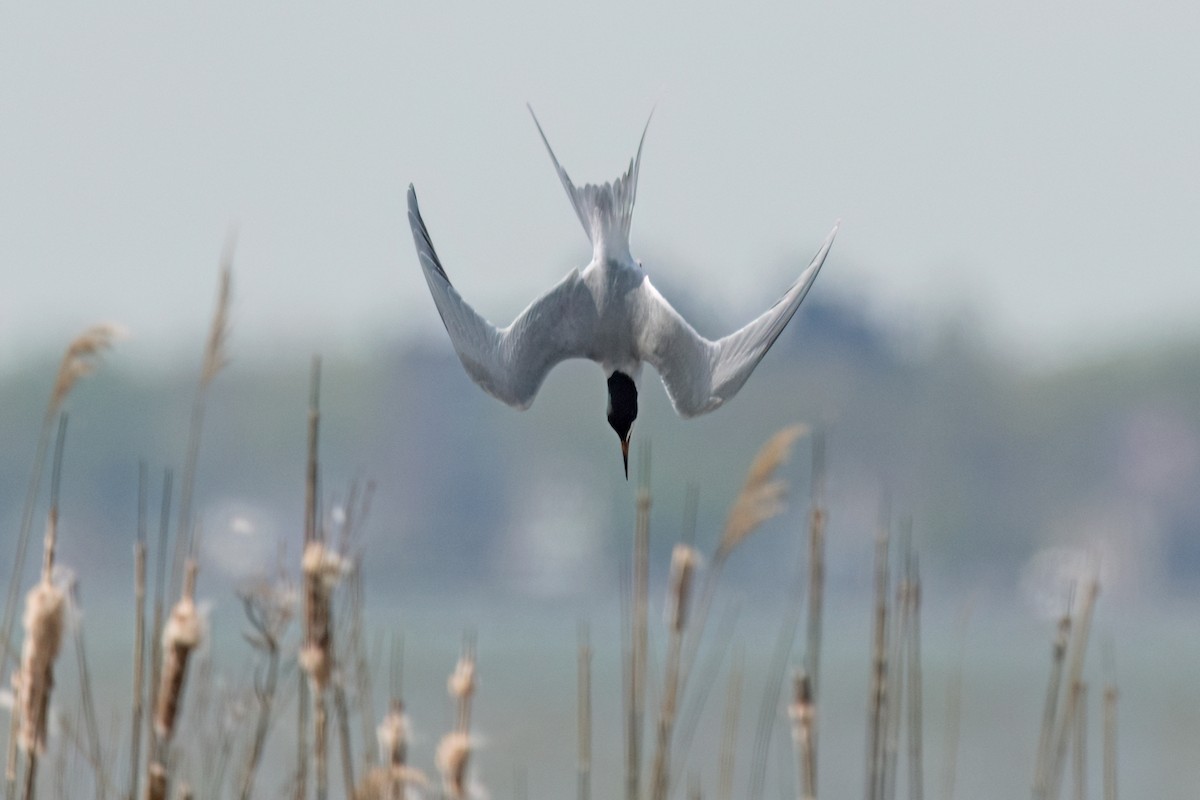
609	313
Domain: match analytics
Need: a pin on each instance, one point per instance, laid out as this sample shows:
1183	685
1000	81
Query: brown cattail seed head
183	633
45	613
392	735
461	684
453	752
684	560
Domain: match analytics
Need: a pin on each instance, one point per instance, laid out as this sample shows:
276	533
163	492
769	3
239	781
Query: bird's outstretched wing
700	375
509	363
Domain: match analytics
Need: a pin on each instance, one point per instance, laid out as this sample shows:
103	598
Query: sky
1029	167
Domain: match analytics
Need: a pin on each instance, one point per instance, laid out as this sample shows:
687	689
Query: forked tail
605	211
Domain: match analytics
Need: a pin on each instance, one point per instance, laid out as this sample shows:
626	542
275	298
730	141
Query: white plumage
609	312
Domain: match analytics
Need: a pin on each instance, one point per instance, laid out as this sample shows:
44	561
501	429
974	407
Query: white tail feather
605	211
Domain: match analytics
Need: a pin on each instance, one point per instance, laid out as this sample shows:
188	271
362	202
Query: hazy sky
1034	164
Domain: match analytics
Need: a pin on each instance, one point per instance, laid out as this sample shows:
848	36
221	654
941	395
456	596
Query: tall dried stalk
139	638
1078	652
639	631
877	709
802	713
160	579
269	611
1110	743
733	705
894	708
954	713
817	520
215	359
760	499
454	750
916	766
87	701
1079	740
585	715
684	560
1058	656
81	358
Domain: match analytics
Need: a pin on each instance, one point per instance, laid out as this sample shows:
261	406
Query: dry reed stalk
1110	743
916	766
342	707
393	736
215	359
139	638
895	688
684	560
1079	739
733	706
302	708
954	692
802	712
160	579
81	359
768	710
761	499
705	679
1078	651
639	629
817	521
877	709
269	610
87	701
585	715
1058	656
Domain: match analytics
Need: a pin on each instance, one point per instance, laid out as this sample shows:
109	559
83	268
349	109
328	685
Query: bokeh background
1002	346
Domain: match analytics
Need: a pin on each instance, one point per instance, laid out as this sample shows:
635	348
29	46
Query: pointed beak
625	456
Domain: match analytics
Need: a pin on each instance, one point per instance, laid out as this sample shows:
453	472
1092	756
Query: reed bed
313	680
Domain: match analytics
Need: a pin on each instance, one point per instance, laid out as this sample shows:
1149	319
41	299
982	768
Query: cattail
156	783
45	617
380	783
392	735
81	358
802	713
182	634
323	569
453	753
684	560
683	566
461	683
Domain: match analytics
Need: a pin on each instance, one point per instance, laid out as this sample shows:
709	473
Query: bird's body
609	313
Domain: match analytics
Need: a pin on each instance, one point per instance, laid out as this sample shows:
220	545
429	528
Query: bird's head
622	410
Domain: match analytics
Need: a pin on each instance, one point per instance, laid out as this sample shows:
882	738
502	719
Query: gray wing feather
701	375
508	363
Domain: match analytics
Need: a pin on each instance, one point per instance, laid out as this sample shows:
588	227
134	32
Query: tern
609	313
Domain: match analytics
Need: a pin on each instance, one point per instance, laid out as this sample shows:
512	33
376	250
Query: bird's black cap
622	410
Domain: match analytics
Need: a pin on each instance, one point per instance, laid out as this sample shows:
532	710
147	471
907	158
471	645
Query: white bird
610	313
